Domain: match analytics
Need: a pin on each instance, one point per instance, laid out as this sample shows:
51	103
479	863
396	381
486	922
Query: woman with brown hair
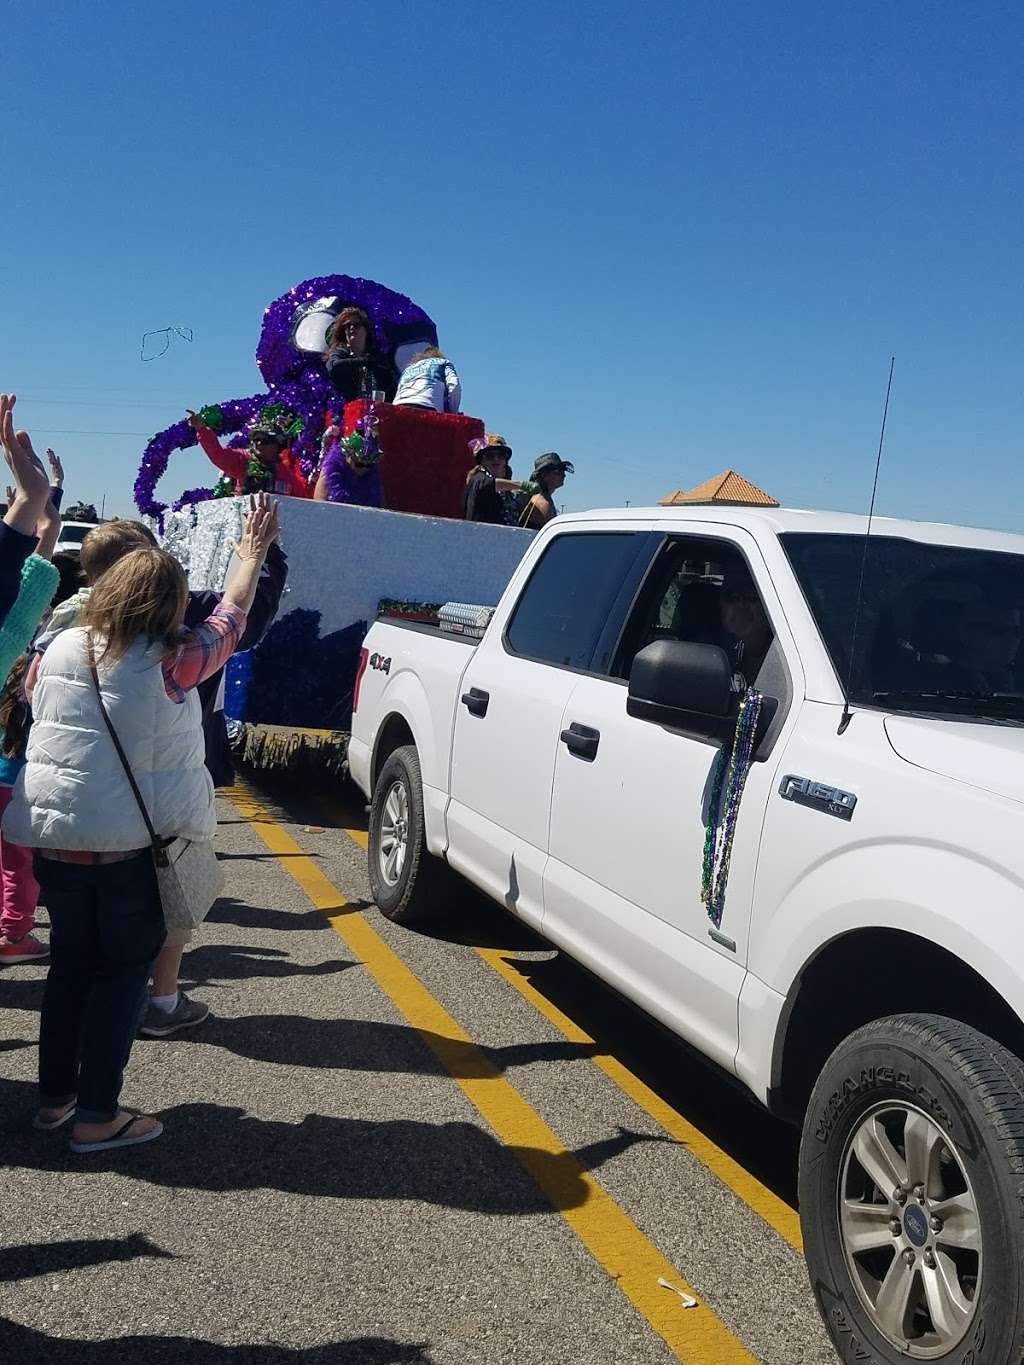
354	366
74	804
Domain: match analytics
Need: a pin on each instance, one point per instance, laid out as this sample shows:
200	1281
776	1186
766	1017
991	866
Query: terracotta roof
727	487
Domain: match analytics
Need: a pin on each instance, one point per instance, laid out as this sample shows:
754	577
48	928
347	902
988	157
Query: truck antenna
846	716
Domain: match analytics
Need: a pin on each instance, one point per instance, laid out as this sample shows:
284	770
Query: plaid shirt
201	652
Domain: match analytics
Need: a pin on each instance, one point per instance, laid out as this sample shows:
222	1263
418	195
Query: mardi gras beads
728	781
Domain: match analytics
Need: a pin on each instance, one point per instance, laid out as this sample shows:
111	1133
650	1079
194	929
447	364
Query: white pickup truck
844	933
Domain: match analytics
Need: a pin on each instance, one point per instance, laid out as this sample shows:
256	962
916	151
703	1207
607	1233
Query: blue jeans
106	928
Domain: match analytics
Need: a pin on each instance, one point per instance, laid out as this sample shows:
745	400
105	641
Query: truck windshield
941	626
73	535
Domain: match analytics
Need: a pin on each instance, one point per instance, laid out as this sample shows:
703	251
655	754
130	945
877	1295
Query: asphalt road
388	1146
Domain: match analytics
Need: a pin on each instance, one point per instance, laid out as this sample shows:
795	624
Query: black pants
106	928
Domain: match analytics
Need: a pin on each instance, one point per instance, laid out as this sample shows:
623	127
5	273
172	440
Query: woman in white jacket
74	805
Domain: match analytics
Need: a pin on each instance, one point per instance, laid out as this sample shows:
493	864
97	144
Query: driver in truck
745	626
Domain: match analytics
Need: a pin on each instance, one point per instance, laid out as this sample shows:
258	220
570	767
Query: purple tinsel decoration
190	496
295	378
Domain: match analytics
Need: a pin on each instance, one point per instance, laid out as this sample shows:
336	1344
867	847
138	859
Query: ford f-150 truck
762	772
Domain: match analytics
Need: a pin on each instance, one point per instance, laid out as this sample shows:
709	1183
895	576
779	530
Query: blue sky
664	239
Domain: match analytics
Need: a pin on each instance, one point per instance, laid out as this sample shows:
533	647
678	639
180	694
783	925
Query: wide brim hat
544	464
494	444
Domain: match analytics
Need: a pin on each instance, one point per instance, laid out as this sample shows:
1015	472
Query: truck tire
407	883
912	1195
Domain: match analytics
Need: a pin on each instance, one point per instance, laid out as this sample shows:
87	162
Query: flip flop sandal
42	1125
119	1139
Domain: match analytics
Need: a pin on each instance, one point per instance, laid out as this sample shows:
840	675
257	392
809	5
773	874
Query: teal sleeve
39	581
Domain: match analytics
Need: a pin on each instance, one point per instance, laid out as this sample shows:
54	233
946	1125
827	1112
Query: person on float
489	484
549	471
349	471
354	365
429	381
265	466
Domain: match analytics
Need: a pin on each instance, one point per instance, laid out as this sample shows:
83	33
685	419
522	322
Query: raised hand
56	469
261	528
194	420
32	483
48	530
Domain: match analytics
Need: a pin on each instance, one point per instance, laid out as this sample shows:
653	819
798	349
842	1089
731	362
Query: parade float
346	563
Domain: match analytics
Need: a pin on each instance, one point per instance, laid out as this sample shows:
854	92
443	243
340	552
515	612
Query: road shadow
719	1107
15	1044
369	1045
228	910
49	1258
230	962
21	992
296	801
256	857
25	1346
218	1148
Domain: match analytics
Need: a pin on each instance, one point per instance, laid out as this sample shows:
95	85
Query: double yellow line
695	1335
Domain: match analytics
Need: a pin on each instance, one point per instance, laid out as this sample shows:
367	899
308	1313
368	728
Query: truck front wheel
407	883
912	1194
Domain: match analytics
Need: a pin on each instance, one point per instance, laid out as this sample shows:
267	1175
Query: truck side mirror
674	681
688	687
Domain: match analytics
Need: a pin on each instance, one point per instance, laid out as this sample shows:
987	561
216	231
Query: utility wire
72	431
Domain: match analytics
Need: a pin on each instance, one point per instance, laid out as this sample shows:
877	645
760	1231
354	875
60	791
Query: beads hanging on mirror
730	775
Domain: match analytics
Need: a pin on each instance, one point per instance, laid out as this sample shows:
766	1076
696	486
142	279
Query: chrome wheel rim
393	843
910	1229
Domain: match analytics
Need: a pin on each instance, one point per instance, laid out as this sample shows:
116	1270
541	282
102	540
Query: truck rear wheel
406	882
911	1195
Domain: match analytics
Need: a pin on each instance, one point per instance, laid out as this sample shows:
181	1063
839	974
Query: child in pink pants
19	890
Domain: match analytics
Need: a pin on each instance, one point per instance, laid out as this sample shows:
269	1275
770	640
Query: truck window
703	591
941	627
565	608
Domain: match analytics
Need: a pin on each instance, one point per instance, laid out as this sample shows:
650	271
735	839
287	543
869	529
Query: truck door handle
475	701
582	741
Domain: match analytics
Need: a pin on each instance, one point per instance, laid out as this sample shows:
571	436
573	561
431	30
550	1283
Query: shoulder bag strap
158	843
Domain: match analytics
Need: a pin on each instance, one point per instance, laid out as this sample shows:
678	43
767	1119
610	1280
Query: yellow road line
695	1335
765	1202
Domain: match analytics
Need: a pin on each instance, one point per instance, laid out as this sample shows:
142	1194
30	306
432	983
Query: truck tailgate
408	673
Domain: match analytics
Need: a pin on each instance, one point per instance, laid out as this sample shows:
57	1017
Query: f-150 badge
818	796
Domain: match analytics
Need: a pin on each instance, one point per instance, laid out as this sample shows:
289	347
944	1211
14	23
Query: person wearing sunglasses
549	471
746	629
354	365
266	465
491	493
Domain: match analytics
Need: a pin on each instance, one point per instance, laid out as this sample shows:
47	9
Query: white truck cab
763	774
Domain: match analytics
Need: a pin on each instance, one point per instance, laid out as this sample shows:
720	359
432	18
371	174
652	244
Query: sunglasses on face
738	595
